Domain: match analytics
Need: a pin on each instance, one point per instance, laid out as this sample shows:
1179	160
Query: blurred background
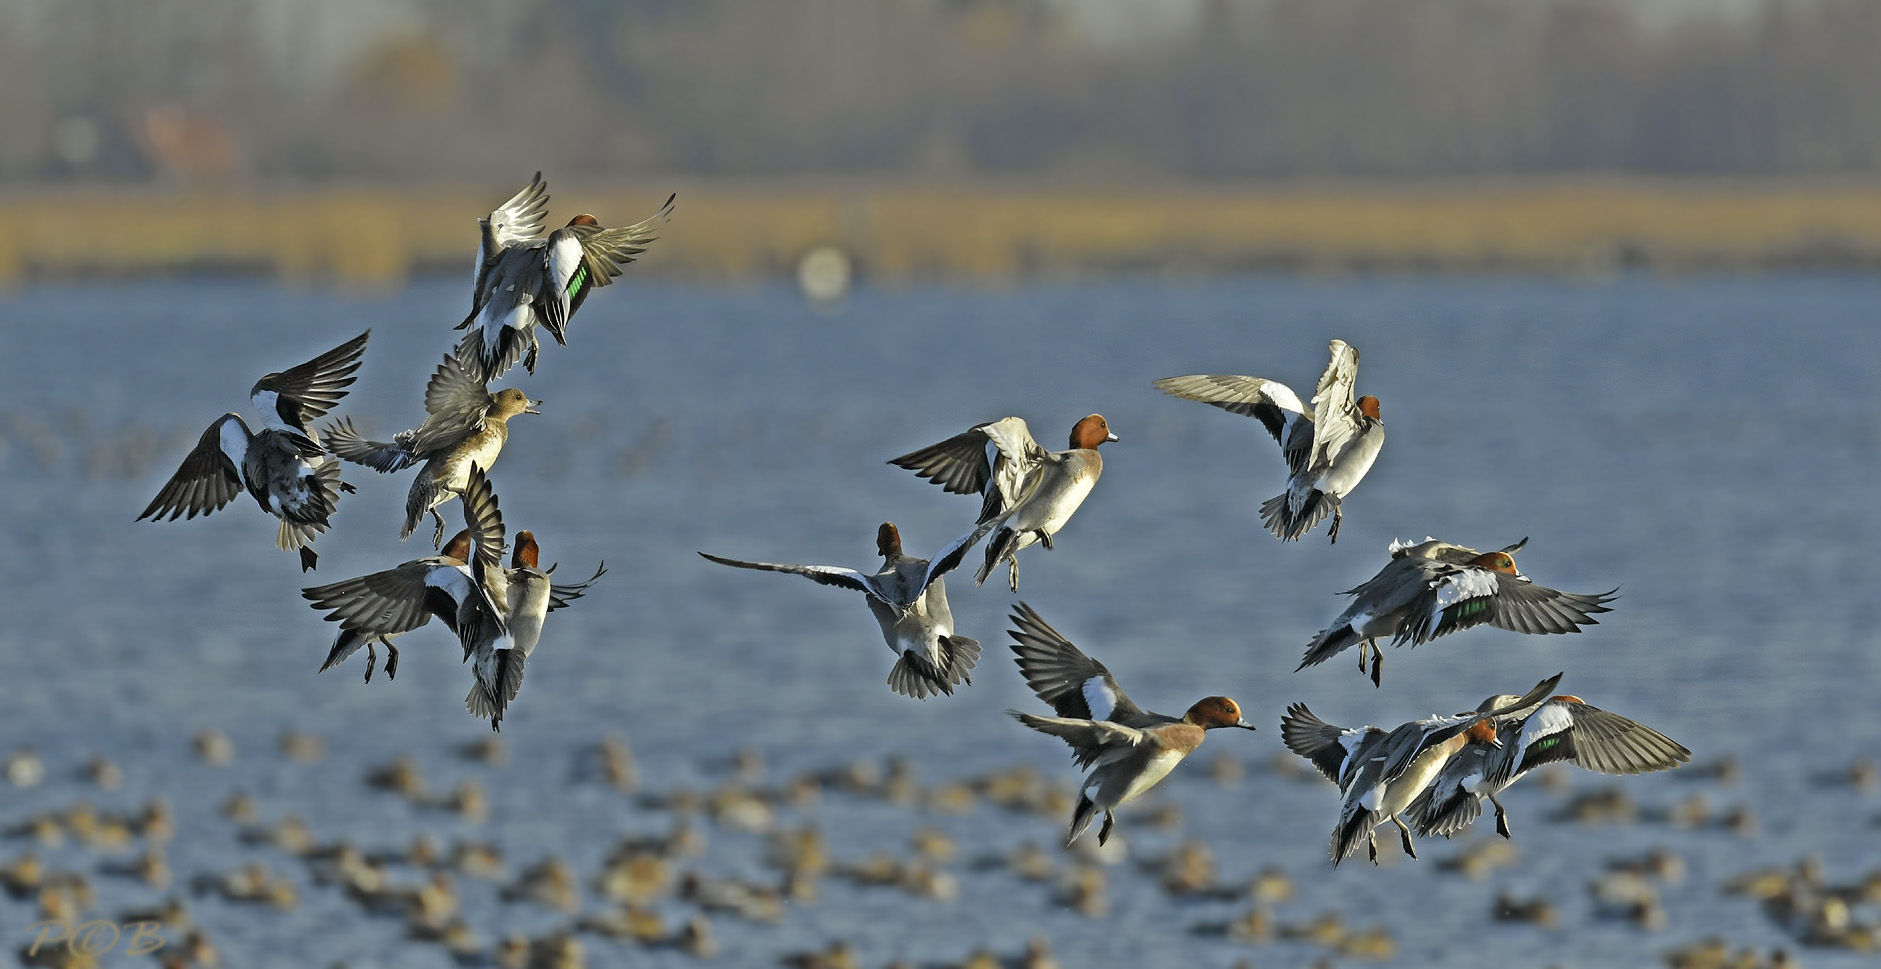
1610	267
973	138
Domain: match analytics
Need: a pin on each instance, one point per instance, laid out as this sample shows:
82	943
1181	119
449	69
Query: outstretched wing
1330	748
949	558
823	574
485	521
209	477
345	441
1075	685
456	401
605	251
1521	606
561	595
396	600
292	400
517	220
1271	402
1335	405
1089	739
1001	453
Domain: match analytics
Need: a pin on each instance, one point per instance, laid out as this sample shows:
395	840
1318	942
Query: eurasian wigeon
465	425
1564	729
1328	448
1028	493
1127	749
1380	773
524	278
495	612
284	467
908	598
1434	588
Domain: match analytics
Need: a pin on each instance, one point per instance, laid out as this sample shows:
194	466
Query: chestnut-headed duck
465	425
496	612
1328	447
1380	772
1565	729
1027	493
908	598
1128	749
284	467
525	278
1434	588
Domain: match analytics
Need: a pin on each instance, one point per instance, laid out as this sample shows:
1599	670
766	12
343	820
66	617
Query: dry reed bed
377	236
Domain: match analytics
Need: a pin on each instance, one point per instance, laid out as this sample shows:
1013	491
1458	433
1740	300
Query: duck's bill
1112	437
530	408
1244	725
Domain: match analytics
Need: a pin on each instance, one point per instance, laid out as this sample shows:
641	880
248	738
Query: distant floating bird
908	598
1564	729
465	425
1029	493
1381	772
1127	749
1434	588
1328	448
284	467
525	279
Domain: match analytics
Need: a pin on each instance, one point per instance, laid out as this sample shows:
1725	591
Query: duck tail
1081	818
345	644
961	654
419	500
1287	524
997	547
1350	834
1329	643
913	676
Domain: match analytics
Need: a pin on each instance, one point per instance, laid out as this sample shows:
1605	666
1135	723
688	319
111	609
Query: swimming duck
908	598
1027	492
465	425
1381	772
1328	447
524	278
1434	588
284	467
1127	748
1564	729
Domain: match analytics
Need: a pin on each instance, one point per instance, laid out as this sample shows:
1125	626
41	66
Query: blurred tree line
316	90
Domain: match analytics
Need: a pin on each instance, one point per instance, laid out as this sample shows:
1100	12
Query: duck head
509	402
887	541
1090	432
527	554
1368	405
1498	562
1483	732
1216	711
458	547
584	219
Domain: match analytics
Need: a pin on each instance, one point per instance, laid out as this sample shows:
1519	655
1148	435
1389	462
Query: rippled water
1709	446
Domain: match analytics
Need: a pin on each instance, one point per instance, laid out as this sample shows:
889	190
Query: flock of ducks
526	281
1428	777
1433	773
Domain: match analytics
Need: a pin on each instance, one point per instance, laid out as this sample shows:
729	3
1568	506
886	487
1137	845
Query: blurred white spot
823	274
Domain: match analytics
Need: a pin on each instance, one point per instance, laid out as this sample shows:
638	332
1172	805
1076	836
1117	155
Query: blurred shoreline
377	236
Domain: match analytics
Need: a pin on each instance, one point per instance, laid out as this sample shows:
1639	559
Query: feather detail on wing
1075	685
209	477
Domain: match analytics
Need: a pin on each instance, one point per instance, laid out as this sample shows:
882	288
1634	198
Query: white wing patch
1099	697
1552	718
233	440
1459	586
